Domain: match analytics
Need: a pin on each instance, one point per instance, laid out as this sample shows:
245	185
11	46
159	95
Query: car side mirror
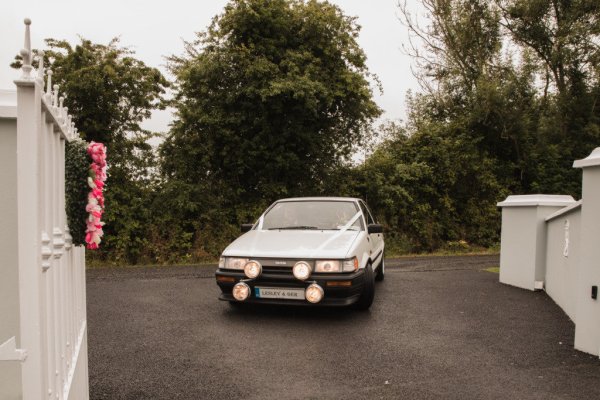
246	227
375	228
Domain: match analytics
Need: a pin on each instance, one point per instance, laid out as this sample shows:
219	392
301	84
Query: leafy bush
77	165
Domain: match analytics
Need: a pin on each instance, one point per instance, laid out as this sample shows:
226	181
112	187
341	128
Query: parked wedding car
307	251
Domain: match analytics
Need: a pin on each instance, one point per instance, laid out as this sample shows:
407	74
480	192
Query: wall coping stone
593	160
543	200
8	104
563	211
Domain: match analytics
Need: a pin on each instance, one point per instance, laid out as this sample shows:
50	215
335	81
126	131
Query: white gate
45	356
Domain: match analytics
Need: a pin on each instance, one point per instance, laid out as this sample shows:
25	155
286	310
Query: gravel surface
440	328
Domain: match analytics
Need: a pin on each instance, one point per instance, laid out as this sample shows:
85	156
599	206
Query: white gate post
28	127
587	323
51	342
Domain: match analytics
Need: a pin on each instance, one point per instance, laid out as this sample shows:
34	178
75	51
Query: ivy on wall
77	165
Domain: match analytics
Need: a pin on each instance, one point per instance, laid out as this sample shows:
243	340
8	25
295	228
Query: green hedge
77	165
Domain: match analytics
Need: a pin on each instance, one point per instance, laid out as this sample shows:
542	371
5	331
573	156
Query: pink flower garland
95	205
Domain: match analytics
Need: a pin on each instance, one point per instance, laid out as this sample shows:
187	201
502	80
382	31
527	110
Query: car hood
292	244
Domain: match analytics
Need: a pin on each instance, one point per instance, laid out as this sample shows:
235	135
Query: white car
309	251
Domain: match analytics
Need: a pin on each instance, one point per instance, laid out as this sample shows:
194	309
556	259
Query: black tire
380	274
368	294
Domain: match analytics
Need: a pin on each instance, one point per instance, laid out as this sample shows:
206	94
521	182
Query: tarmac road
440	328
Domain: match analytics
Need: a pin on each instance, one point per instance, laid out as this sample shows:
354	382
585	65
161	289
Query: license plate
278	293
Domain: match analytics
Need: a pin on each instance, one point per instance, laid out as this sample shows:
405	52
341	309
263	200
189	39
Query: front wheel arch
368	293
380	272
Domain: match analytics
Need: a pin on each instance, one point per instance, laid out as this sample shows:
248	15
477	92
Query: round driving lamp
314	293
241	291
302	270
252	269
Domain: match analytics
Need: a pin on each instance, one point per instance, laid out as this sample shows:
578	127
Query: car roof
319	199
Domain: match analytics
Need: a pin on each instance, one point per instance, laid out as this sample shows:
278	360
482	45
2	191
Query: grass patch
494	270
443	253
398	246
395	247
93	264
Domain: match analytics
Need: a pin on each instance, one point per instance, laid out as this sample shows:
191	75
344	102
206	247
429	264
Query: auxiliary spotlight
241	291
314	293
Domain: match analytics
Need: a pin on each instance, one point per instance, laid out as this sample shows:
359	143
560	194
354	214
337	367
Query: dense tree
269	101
274	99
562	37
472	51
509	101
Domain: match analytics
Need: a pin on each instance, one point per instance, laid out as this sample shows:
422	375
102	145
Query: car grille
281	263
277	270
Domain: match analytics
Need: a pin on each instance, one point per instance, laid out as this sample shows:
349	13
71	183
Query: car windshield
307	215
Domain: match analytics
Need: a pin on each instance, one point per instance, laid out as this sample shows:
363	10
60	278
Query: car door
375	239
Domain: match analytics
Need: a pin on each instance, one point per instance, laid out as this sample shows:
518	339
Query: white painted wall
534	248
10	371
587	324
523	251
562	266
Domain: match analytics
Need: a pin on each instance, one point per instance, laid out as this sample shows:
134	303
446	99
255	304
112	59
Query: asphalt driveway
439	328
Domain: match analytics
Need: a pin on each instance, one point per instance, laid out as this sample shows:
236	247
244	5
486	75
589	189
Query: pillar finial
26	52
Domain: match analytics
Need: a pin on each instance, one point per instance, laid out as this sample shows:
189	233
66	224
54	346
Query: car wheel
380	274
368	294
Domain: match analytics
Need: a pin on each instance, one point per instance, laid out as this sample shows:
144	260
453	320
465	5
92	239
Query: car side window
362	209
367	213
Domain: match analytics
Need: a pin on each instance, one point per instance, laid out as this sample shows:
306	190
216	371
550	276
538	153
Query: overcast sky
155	29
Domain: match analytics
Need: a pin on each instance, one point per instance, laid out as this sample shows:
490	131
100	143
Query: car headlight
233	263
252	269
328	266
302	270
350	265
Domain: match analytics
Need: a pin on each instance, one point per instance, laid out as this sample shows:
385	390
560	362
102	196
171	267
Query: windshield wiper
294	227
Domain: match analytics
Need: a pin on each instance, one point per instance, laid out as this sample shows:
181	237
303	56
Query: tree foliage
110	92
269	99
272	98
509	101
275	98
77	166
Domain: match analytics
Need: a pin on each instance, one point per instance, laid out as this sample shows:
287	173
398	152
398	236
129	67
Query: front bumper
335	296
